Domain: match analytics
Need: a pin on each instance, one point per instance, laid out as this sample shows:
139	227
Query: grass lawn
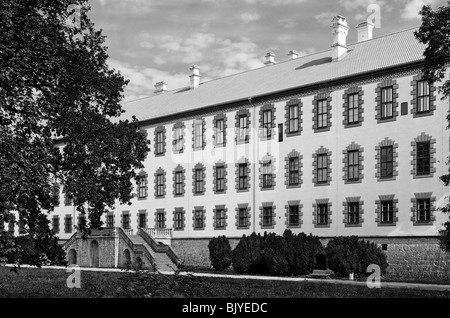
51	283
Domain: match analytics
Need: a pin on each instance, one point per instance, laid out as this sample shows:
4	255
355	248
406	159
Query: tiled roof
378	53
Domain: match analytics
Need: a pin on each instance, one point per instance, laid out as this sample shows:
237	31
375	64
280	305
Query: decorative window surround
67	224
225	174
320	96
182	140
243	161
320	151
261	215
163	212
55	224
183	219
353	90
179	168
386	142
199	208
269	160
432	89
158	130
378	210
142	175
217	208
125	225
423	138
380	86
196	167
293	154
293	102
315	213
138	215
300	214
246	113
215	119
360	210
268	107
418	196
248	223
352	147
194	123
159	172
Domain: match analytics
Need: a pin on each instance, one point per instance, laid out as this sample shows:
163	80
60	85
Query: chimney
364	31
293	54
160	87
339	29
270	58
195	76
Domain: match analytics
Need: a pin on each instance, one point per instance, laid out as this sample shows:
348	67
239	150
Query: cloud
159	60
136	7
325	18
287	23
350	5
412	8
247	17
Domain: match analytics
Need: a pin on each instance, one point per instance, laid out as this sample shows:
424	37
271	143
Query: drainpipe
255	143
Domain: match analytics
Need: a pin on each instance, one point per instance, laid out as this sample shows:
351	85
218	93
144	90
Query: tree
435	33
55	84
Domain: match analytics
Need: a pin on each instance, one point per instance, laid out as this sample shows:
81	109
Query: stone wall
105	250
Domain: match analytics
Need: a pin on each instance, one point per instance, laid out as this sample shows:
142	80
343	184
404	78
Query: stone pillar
116	248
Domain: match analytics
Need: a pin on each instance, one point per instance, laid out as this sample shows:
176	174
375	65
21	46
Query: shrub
347	255
220	253
247	256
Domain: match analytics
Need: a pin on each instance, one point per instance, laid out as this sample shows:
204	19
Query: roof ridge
386	35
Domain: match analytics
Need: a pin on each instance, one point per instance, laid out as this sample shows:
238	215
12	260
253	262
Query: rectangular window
198	216
387	159
198	134
243	128
322	113
294	176
68	224
322	214
178	220
219	131
142	187
423	97
142	220
404	108
293	119
280	132
160	220
353	164
220	218
267	123
220	179
179	136
423	210
159	185
178	183
55	225
387	211
353	212
243	219
353	108
68	200
199	181
242	176
322	168
386	102
423	158
126	221
294	215
110	220
267	216
159	142
267	174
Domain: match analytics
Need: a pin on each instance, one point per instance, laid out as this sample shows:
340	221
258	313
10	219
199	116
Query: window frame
388	163
220	178
322	214
294	120
198	134
352	166
322	171
198	219
199	181
179	224
179	139
179	182
242	218
294	173
267	122
142	220
322	116
110	220
423	97
291	214
142	187
126	221
352	107
267	176
68	224
267	216
387	215
426	210
220	218
243	178
353	213
159	144
220	131
160	220
243	129
160	185
387	103
422	160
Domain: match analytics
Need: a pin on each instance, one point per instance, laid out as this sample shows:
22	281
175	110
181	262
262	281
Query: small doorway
72	257
126	258
94	254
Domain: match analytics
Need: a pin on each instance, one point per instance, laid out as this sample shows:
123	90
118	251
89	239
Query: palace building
348	141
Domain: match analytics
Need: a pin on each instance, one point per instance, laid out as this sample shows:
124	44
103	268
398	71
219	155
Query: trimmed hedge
220	253
347	255
277	255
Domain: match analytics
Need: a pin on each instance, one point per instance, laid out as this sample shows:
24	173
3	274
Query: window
353	108
293	119
242	176
126	221
353	164
198	219
423	158
386	102
322	214
11	224
387	162
294	215
219	132
423	210
294	178
55	225
159	143
178	142
267	174
267	216
68	224
280	132
242	217
322	168
322	113
68	199
267	123
423	97
353	212
198	180
178	220
387	211
198	134
178	183
220	179
160	220
404	108
220	218
110	220
142	220
243	128
160	185
142	187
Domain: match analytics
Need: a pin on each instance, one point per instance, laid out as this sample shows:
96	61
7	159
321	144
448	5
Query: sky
150	41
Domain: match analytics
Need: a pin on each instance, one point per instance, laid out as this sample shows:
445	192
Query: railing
159	233
159	248
70	241
128	231
124	235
